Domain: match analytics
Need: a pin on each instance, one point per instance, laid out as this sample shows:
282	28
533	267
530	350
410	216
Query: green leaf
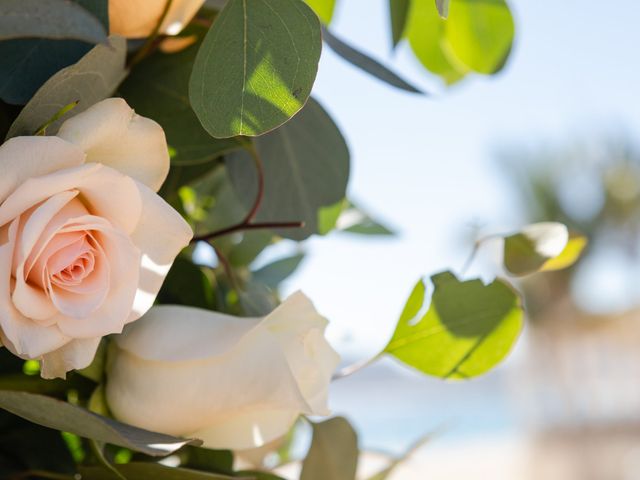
398	13
148	470
480	33
323	8
220	461
476	37
328	216
26	64
366	63
276	272
93	78
186	284
257	300
59	415
443	7
530	249
256	66
570	255
306	167
25	446
54	19
425	32
158	88
357	221
467	330
333	453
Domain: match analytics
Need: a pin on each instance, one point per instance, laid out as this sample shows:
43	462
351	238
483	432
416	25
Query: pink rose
85	242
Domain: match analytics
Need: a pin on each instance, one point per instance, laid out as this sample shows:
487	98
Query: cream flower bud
232	382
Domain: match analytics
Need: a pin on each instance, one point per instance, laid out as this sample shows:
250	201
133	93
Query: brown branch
247	222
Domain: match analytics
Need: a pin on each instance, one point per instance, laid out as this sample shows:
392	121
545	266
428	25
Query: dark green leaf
257	300
25	446
398	12
275	273
93	78
366	63
333	453
255	67
468	329
158	88
197	458
355	220
59	415
26	64
148	470
186	284
306	167
54	19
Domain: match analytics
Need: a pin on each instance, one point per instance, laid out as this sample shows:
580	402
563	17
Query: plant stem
149	44
356	367
227	268
246	223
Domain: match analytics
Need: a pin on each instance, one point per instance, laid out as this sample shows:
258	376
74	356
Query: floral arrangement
136	131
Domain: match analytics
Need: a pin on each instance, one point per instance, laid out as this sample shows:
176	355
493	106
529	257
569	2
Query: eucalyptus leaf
366	63
25	64
306	167
158	88
333	453
467	330
148	470
276	272
54	19
476	37
355	220
425	31
255	67
530	249
59	415
323	8
93	78
186	284
480	34
398	13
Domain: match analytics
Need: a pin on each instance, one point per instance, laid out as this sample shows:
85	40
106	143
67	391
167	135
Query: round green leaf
333	453
256	66
480	33
467	330
528	250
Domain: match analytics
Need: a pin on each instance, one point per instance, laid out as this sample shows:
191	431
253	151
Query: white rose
232	382
85	242
138	18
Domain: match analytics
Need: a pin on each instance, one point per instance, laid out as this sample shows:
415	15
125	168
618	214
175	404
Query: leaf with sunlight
466	331
256	66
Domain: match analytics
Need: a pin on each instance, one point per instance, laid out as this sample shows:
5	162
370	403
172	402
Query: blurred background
554	136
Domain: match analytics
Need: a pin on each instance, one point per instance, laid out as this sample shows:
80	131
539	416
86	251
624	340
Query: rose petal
249	429
21	335
160	235
255	366
124	260
26	157
112	134
32	301
74	355
138	18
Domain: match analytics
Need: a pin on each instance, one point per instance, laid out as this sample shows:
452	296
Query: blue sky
426	165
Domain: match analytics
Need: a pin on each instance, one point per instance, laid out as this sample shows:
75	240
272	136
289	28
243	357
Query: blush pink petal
21	335
22	158
31	300
76	354
111	133
160	235
123	258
